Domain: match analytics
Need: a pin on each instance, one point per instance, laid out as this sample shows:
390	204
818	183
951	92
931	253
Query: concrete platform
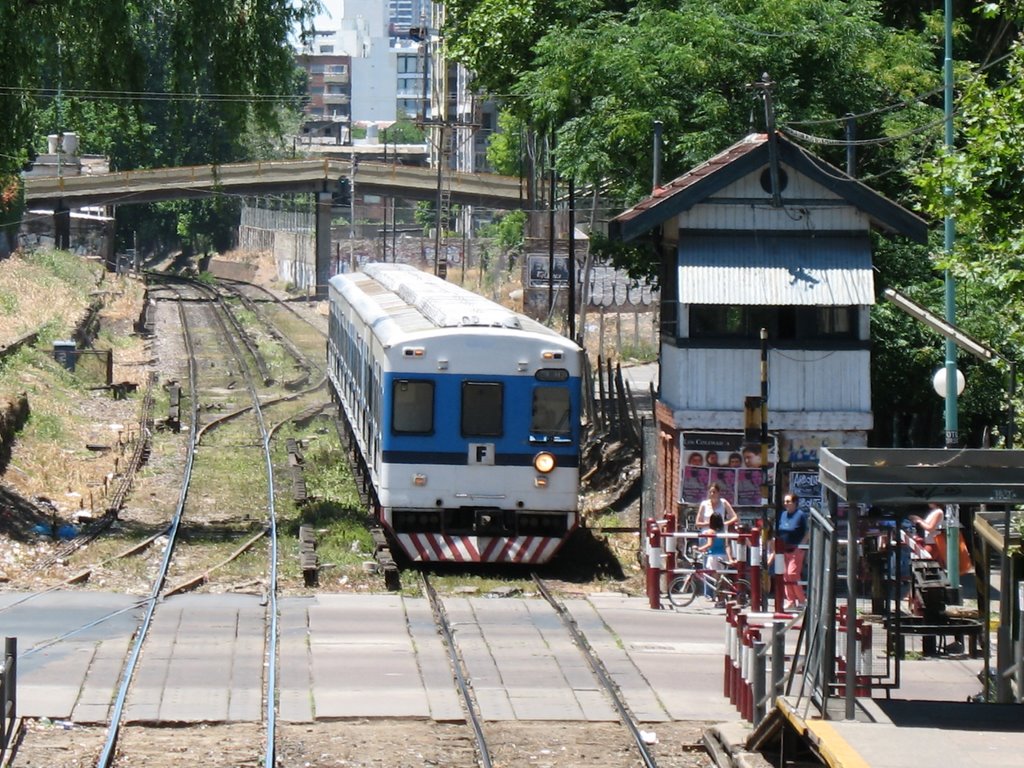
927	721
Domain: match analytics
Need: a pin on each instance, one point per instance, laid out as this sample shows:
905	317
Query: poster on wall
806	485
538	266
727	458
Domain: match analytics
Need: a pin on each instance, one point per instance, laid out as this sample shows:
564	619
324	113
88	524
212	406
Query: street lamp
949	228
939	382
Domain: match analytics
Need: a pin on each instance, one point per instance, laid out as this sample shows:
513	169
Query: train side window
550	411
412	411
481	409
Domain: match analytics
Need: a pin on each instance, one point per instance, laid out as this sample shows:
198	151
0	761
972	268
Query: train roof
416	302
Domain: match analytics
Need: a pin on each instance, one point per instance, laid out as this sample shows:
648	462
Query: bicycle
684	588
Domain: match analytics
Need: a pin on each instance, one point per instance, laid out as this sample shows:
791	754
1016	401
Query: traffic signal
342	194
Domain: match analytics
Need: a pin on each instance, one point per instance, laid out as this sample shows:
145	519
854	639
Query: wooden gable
745	166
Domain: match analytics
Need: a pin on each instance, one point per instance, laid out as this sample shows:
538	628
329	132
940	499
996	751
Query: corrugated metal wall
815	383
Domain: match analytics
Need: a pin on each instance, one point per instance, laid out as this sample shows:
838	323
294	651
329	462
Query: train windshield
481	409
413	408
550	411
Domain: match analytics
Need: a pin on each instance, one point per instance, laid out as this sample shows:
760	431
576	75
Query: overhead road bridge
277	177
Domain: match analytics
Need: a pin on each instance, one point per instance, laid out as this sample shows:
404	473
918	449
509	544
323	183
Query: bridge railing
277	176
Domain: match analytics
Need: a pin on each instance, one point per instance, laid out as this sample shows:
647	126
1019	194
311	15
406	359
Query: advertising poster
806	485
725	457
538	266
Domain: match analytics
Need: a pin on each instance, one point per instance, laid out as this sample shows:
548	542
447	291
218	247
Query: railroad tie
174	407
299	493
307	556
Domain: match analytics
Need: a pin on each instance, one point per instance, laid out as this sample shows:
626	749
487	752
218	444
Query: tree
404	131
599	74
495	38
151	83
978	184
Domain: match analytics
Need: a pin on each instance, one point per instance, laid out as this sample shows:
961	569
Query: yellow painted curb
832	747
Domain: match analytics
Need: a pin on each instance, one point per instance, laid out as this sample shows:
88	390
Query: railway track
608	685
228	372
223	422
204	355
635	741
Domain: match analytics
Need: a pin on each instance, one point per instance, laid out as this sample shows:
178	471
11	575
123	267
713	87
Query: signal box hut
763	235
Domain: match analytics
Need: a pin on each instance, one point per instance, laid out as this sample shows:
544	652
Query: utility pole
434	115
765	86
352	217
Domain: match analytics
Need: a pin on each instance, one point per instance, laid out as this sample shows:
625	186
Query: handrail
8	694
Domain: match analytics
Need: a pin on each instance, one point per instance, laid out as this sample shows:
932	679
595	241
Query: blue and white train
465	416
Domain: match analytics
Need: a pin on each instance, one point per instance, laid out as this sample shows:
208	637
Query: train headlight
544	462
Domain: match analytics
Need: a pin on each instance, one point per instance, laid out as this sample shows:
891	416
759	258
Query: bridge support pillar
323	243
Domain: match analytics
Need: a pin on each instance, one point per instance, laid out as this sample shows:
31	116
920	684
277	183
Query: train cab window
412	411
550	411
481	409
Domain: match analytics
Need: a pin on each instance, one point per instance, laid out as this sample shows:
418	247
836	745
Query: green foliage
8	303
505	150
599	74
978	184
424	214
507	231
496	38
45	426
642	351
640	257
335	508
66	268
403	131
151	83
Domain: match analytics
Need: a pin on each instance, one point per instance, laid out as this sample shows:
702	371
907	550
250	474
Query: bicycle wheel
682	590
741	592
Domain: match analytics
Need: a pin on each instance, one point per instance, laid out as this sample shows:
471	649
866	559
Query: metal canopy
921	475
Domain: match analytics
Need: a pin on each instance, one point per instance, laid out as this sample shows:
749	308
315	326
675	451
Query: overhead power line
100	95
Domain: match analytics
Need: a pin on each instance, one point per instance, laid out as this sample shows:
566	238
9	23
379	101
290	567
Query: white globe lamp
939	382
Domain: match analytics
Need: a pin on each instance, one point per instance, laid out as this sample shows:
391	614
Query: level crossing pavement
380	656
347	656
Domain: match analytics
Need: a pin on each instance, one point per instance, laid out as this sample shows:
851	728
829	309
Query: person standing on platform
715	504
932	527
790	532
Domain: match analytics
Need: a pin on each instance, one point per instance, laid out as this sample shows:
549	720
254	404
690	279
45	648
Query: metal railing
8	693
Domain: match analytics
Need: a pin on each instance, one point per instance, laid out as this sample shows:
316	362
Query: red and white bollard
779	581
755	552
732	615
745	703
670	545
